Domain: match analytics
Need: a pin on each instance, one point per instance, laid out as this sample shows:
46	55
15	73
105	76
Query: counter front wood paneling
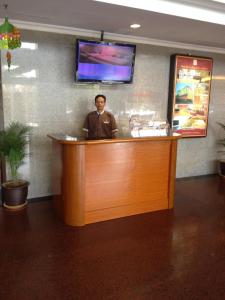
101	180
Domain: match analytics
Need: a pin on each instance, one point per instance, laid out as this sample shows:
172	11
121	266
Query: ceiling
115	19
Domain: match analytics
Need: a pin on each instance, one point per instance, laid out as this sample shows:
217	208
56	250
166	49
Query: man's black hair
103	96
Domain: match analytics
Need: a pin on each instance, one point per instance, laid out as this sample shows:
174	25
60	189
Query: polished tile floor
176	254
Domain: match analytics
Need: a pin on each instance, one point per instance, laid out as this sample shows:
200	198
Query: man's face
100	103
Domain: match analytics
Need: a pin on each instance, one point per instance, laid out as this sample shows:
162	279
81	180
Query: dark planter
14	195
222	168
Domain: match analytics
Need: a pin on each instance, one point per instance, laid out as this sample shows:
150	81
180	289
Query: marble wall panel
40	90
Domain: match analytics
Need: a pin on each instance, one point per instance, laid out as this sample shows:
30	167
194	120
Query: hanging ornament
9	59
9	37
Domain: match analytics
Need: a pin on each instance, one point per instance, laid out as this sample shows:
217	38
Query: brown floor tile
176	254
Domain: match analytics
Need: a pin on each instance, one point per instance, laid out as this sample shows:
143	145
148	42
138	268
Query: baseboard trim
39	199
196	177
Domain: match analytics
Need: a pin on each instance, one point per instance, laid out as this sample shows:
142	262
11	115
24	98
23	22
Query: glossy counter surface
66	139
104	179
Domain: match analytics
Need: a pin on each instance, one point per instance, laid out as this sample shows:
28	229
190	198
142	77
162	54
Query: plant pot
222	168
14	194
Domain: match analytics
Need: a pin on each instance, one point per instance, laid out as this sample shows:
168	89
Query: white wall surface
40	90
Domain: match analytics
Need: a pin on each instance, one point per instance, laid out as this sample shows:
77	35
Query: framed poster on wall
189	94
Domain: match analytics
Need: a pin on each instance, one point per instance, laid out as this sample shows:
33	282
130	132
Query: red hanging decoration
9	38
9	59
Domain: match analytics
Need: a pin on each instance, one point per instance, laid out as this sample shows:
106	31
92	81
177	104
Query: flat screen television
104	62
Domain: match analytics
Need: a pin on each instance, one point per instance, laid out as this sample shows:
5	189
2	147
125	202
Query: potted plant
222	153
13	142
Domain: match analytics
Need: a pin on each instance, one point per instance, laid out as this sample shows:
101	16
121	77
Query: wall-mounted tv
104	62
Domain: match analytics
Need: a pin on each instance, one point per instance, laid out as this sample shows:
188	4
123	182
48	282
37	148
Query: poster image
189	94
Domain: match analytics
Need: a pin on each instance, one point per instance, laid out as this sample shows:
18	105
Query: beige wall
40	90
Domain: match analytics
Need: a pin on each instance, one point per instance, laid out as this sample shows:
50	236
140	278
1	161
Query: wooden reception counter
105	179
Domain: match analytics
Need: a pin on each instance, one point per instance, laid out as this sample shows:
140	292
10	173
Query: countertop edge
61	140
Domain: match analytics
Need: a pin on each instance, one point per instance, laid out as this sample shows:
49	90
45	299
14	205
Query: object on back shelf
144	126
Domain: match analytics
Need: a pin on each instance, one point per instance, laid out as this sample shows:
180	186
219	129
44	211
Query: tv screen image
104	62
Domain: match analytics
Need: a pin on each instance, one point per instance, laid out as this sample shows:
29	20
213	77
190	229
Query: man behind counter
100	124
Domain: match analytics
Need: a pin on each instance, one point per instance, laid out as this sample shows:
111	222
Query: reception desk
99	180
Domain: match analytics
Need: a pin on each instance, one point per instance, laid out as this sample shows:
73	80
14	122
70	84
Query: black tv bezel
104	81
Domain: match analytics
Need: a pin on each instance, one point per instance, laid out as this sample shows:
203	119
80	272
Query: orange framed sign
189	94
